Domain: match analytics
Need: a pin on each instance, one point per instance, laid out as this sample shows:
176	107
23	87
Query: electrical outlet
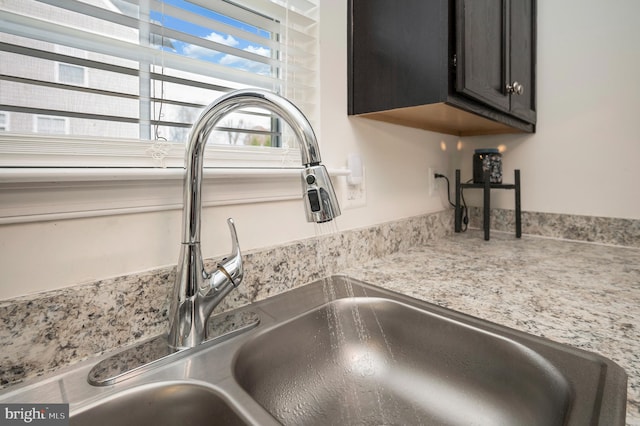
353	195
356	195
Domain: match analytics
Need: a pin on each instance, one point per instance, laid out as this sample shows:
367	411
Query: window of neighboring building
4	121
51	125
72	74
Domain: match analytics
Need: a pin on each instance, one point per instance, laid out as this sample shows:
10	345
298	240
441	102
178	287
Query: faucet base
156	351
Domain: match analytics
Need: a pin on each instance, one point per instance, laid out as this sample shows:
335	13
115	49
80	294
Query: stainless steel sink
367	360
365	355
341	351
160	404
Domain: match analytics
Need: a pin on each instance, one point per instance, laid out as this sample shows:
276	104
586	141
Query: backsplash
604	230
49	330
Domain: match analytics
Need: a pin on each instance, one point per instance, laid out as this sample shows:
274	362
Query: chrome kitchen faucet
197	292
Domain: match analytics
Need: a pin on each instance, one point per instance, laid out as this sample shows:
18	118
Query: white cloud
227	40
203	52
246	64
259	50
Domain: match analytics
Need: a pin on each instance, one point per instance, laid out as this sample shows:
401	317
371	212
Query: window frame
70	177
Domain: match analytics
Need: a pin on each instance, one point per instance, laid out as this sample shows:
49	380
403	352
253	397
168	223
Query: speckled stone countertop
584	295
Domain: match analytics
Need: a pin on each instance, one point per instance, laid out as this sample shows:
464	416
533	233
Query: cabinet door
482	51
495	47
397	53
523	58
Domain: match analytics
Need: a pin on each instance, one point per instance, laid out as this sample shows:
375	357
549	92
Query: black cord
438	175
465	211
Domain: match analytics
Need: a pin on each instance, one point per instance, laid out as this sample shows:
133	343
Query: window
4	122
125	79
72	74
51	125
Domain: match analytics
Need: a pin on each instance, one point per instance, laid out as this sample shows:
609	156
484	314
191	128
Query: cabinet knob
516	88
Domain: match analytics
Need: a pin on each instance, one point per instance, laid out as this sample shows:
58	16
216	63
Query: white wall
585	157
49	255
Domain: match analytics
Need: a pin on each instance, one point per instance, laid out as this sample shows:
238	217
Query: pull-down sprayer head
320	202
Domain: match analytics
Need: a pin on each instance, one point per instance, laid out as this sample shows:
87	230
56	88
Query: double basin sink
343	352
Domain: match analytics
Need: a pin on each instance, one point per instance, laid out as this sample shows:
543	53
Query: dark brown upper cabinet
464	67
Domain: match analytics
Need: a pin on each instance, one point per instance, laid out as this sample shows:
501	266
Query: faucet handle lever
231	266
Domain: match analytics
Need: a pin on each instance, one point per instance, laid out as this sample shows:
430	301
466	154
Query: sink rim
164	401
150	386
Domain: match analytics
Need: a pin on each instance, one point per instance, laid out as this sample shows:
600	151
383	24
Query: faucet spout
196	291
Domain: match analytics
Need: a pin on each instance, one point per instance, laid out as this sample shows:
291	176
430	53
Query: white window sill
69	177
44	194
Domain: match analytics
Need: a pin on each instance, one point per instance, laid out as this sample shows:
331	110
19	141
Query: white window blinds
131	70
